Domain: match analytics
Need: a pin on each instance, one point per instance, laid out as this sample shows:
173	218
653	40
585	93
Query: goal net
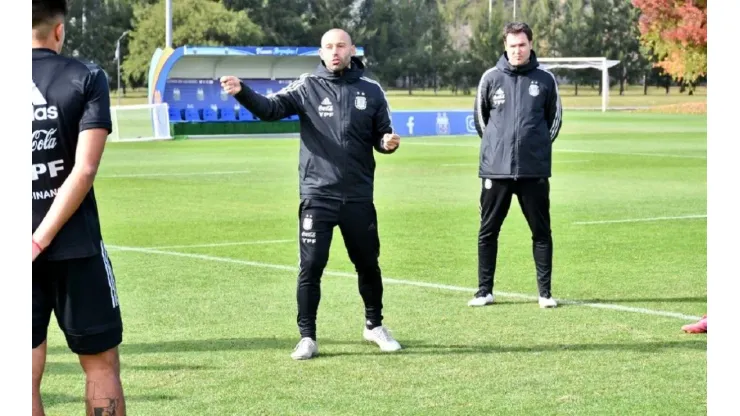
600	63
143	122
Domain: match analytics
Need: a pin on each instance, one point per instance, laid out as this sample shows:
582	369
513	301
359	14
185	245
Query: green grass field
203	239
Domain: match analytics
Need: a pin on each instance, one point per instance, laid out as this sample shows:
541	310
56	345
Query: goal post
143	122
600	63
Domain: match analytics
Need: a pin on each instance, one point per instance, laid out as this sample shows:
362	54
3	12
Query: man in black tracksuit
344	116
518	115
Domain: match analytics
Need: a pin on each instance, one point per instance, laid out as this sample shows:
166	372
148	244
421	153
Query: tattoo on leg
109	405
109	410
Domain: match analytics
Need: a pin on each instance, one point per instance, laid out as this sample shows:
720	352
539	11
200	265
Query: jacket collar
504	65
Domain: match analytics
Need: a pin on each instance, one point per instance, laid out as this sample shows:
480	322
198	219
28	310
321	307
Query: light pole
168	24
118	60
490	9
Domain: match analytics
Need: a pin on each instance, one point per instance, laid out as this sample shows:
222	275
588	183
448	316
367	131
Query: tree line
412	44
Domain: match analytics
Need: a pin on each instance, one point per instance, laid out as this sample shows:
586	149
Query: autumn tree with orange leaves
675	31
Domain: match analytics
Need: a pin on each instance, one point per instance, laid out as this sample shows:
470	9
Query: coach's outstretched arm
94	129
482	106
274	107
386	140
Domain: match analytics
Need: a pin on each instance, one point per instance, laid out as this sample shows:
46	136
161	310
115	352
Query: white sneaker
382	337
482	300
547	302
306	348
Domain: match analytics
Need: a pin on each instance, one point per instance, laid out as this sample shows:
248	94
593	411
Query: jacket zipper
343	136
516	128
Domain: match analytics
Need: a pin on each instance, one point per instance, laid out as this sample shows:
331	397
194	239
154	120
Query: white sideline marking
236	243
407	282
631	153
145	175
554	161
596	152
441	144
683	217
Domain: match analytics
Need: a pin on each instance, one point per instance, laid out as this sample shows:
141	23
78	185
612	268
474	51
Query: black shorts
82	293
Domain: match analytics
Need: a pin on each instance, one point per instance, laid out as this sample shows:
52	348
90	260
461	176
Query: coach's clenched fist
232	85
391	141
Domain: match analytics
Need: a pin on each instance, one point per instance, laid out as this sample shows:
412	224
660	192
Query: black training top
68	97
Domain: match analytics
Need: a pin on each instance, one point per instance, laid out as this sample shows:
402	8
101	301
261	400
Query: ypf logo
470	124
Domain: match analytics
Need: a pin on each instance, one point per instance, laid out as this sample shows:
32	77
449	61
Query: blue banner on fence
433	123
258	50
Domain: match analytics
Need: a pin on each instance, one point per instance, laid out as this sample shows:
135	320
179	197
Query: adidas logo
499	97
326	101
38	100
36	97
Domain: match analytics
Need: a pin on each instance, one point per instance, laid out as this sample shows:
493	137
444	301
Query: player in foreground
518	116
344	116
72	274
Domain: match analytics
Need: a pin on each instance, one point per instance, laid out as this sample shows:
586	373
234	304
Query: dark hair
515	28
44	11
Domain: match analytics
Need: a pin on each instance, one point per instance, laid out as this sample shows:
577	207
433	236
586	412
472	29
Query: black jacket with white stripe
518	115
343	118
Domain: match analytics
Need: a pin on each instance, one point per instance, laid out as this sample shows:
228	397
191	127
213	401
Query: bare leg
39	361
103	392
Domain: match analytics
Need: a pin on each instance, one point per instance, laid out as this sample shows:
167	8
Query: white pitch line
440	144
555	161
596	152
620	308
236	243
682	217
146	175
631	153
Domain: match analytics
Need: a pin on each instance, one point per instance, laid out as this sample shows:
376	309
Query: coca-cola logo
43	140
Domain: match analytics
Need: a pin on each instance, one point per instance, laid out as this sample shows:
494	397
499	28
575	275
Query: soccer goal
580	63
144	122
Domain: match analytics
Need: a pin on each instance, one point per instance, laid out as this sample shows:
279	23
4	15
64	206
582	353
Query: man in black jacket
518	116
344	116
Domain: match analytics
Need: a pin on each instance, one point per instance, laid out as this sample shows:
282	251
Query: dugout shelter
187	79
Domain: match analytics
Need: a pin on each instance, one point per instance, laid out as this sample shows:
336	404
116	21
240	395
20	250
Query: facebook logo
410	125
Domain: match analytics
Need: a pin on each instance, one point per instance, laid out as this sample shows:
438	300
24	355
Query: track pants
357	222
495	200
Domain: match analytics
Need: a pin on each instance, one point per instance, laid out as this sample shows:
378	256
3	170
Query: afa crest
307	223
534	90
360	102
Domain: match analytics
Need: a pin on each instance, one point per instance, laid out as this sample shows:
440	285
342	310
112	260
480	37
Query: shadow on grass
410	347
74	368
698	299
420	348
51	399
205	345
